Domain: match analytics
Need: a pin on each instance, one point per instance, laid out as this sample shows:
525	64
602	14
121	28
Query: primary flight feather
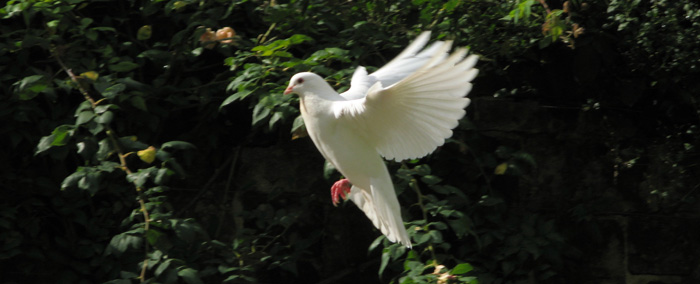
404	110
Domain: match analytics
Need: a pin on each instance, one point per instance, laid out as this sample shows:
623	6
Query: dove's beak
289	90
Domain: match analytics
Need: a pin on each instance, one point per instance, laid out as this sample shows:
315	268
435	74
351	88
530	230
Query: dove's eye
300	80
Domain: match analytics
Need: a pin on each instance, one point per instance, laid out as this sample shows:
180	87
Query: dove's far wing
407	62
414	116
359	84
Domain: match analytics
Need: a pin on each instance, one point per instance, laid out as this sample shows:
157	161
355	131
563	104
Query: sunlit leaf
144	32
501	169
147	155
92	75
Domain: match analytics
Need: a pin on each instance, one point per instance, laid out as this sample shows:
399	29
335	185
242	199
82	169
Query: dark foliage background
139	147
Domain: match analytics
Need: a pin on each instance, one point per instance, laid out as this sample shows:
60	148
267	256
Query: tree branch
122	159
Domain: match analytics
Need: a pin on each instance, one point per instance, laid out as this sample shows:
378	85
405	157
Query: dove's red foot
340	189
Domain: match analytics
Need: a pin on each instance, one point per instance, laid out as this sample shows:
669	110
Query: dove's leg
339	189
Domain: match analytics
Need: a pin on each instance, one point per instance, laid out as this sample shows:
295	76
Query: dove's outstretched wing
412	117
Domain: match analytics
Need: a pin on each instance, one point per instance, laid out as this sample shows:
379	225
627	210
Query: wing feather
408	61
412	117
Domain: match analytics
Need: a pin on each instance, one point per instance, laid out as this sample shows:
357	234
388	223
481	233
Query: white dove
404	110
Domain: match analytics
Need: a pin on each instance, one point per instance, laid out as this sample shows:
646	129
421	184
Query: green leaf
59	137
180	145
131	143
123	66
490	201
104	149
84	106
84	22
128	275
175	166
461	268
162	176
141	177
153	236
108	166
190	276
461	226
119	281
376	243
436	236
113	91
397	250
155	55
276	116
237	96
438	225
102	108
422	170
139	102
90	182
105	118
144	32
422	238
525	157
451	5
30	86
95	127
507	267
298	122
328	54
430	179
260	112
328	169
186	230
84	117
299	38
72	180
62	134
91	34
386	256
162	266
121	242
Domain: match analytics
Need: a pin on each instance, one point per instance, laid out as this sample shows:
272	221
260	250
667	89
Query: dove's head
305	82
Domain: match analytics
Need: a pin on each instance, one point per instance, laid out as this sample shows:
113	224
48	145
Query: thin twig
481	169
231	173
205	187
414	184
546	7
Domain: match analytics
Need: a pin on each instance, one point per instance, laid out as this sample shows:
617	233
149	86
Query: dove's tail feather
382	207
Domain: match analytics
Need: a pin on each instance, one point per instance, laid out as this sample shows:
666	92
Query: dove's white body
355	158
410	117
